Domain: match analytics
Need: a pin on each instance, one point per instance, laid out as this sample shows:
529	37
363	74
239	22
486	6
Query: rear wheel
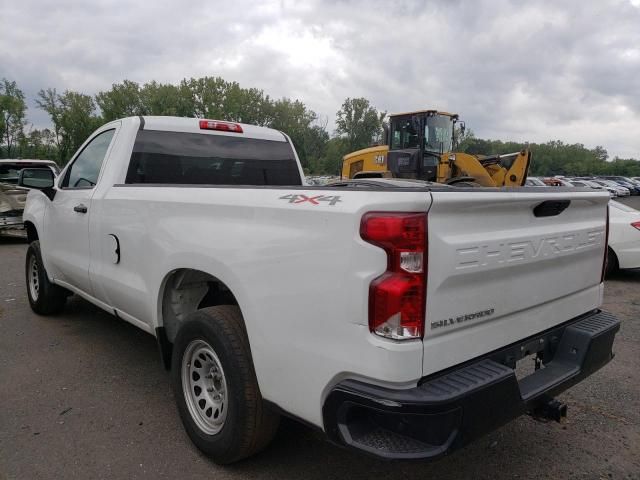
215	386
612	265
45	297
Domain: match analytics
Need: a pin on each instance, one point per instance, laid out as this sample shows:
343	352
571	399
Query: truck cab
417	140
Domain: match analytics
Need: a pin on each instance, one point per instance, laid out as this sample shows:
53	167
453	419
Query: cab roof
417	112
192	125
27	160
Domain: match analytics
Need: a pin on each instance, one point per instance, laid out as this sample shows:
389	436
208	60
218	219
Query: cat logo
379	159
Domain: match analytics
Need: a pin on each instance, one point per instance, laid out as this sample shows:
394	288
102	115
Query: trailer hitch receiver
550	409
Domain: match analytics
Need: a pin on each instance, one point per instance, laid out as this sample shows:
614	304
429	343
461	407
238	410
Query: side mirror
41	179
38	178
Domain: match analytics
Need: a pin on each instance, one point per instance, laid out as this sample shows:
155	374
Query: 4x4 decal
300	198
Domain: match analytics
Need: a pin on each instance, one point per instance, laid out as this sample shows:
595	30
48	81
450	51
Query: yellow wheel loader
420	145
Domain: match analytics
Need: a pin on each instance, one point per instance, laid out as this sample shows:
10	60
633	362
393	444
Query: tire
223	413
612	265
45	297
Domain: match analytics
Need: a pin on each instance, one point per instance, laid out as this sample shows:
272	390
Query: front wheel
215	386
45	297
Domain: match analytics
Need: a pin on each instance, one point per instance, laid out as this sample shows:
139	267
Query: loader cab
417	141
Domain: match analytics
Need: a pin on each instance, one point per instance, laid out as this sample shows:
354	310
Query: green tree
123	100
49	101
73	117
295	119
215	98
38	144
331	163
552	158
167	99
359	123
78	119
315	143
208	96
600	153
464	139
12	115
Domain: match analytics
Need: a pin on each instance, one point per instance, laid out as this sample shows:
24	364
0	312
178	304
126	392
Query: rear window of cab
182	158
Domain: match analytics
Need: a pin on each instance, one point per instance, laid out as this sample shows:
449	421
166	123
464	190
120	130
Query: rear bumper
448	410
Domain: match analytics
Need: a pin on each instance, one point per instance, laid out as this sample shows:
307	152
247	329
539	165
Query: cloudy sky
513	69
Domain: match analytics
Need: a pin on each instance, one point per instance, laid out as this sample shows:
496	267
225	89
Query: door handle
80	208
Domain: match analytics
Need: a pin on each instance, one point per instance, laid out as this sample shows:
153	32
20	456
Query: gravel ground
83	395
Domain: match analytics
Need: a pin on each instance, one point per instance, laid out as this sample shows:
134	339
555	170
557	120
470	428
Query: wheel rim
205	386
33	279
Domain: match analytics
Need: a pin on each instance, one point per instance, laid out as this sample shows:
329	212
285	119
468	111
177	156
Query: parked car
553	182
13	197
587	184
564	181
534	182
624	237
625	182
592	184
634	181
619	189
10	168
622	179
268	296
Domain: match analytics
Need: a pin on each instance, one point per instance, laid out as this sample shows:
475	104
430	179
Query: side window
404	134
85	169
396	141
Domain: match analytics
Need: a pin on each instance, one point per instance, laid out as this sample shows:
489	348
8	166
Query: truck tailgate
504	265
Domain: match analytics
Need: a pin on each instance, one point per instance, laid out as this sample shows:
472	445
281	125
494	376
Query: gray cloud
513	69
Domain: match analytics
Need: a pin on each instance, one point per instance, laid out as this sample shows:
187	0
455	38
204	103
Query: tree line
557	158
74	115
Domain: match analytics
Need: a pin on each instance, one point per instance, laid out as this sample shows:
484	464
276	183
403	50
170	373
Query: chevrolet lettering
489	254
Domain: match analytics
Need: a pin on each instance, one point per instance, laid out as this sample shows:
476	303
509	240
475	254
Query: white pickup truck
389	314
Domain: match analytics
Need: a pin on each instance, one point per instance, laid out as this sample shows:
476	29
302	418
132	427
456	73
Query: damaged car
12	196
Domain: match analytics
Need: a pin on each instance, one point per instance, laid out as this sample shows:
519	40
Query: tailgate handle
551	208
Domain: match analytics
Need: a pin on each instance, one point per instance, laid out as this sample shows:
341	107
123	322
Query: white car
586	184
624	237
619	189
612	191
534	182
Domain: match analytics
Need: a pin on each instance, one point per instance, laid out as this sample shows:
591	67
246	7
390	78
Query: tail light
222	126
606	248
636	225
397	297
